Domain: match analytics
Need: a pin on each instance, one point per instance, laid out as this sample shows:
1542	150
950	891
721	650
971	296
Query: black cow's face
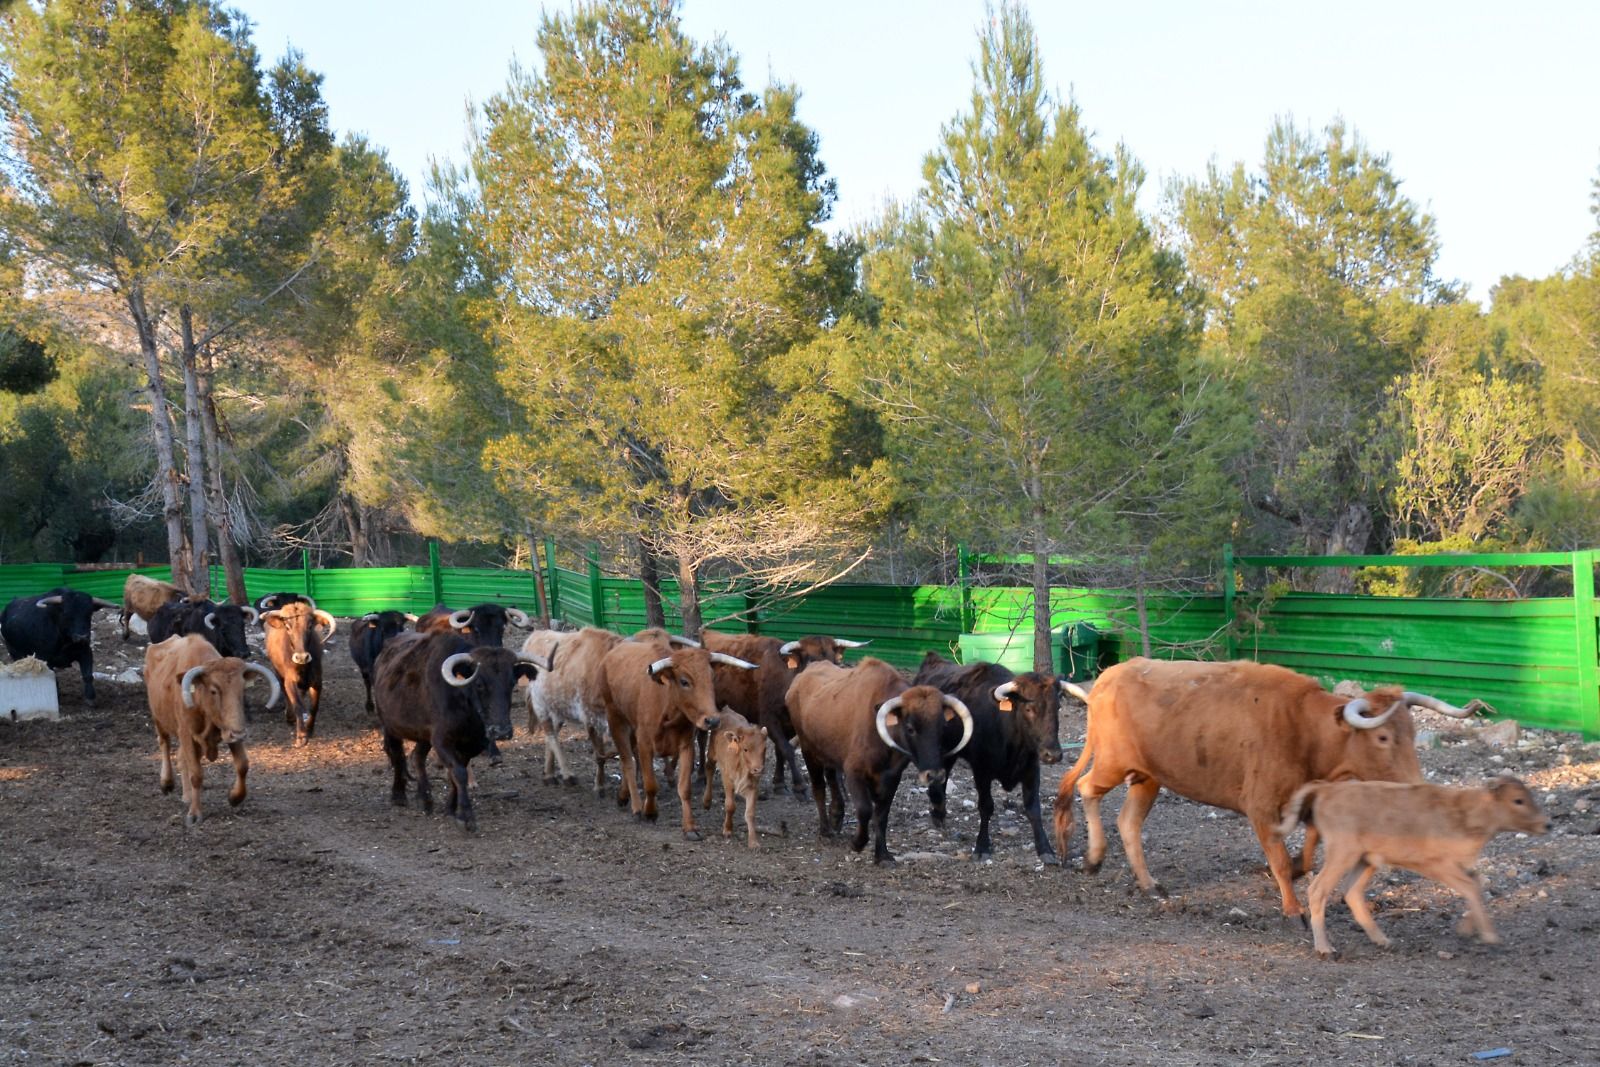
928	728
1034	702
226	623
389	624
73	615
494	685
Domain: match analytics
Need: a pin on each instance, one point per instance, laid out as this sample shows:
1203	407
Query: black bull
1014	729
55	627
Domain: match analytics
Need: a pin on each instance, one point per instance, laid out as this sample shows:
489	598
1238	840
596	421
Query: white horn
187	687
251	613
1355	713
98	603
789	649
448	669
265	615
686	642
272	680
328	623
517	618
371	616
1004	690
1076	690
48	602
211	620
893	704
459	620
659	665
732	661
410	617
1423	700
844	643
966	722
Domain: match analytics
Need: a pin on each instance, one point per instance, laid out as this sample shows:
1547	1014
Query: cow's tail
1298	810
1063	812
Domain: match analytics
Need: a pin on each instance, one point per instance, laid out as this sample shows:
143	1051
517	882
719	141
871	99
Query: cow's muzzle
301	658
498	733
710	722
931	777
1049	755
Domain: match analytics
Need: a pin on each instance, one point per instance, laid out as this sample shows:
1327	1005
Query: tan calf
197	699
1435	830
738	750
143	597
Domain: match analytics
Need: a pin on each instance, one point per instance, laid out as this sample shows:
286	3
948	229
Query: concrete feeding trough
28	691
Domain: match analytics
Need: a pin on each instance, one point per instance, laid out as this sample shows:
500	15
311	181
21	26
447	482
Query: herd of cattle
1260	740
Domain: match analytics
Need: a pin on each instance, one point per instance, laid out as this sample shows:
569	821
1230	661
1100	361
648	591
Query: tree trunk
360	547
1043	660
689	599
538	581
161	431
221	513
650	577
194	461
1349	536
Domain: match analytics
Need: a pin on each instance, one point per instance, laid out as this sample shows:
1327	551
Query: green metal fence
1532	659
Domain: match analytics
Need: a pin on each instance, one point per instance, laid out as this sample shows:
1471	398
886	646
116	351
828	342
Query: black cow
1015	725
368	636
55	627
444	694
221	624
483	624
280	600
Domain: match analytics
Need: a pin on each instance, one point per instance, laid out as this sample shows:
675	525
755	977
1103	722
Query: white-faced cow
1015	721
56	627
197	700
866	724
1435	830
444	694
1241	736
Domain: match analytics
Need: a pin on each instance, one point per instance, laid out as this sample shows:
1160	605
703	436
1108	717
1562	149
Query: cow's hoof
548	779
235	801
1157	890
468	825
1090	868
1328	956
496	759
397	800
979	855
885	860
192	819
1049	859
570	779
167	787
691	835
1295	924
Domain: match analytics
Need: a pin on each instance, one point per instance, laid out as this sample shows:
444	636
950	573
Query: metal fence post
305	570
436	579
1588	670
596	594
1229	638
552	584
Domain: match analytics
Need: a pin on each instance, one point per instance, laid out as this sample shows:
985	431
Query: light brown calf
197	699
738	750
143	597
1435	830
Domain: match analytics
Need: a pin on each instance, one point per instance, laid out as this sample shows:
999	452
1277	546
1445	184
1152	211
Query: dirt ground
315	924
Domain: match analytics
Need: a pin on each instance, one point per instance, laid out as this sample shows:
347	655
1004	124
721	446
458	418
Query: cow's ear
527	671
763	731
794	662
1005	705
949	714
892	719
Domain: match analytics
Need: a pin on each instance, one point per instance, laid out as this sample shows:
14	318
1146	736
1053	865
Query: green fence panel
107	584
358	591
466	586
26	579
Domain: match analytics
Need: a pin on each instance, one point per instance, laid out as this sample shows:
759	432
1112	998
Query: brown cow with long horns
1242	736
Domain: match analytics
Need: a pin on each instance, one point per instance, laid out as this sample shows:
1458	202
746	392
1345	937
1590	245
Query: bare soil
316	924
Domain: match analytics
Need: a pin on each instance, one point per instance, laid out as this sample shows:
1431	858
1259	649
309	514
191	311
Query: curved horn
686	642
892	704
410	617
789	649
308	600
659	665
273	614
327	622
269	601
732	661
460	620
517	618
1004	690
211	620
845	643
98	603
251	614
1423	700
48	602
187	687
966	722
1355	713
542	664
272	680
448	669
1074	689
371	616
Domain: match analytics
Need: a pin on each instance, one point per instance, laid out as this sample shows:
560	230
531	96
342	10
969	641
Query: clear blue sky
1487	109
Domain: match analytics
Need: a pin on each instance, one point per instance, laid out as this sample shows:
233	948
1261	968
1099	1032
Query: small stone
1502	734
974	988
1443	955
1238	913
1582	804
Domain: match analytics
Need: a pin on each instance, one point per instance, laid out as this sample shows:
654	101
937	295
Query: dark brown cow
1435	830
446	694
295	634
737	749
866	724
483	624
759	695
1242	736
656	696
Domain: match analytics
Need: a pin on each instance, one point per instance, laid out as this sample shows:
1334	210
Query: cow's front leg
983	848
241	767
86	668
882	801
460	801
861	795
313	702
597	743
1030	804
164	748
685	785
749	815
936	801
419	764
189	763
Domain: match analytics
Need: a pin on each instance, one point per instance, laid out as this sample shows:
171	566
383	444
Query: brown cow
294	648
738	750
143	597
1435	830
759	695
655	697
197	699
866	724
1242	736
